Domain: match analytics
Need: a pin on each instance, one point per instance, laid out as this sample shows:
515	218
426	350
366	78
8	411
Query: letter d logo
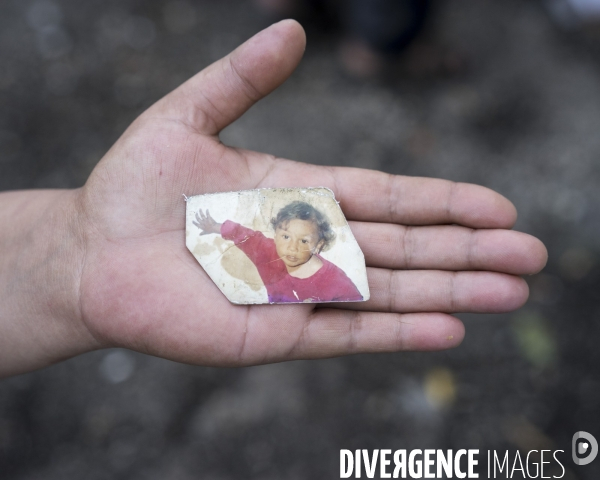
588	446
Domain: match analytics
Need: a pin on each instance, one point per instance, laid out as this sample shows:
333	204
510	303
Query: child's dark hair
304	211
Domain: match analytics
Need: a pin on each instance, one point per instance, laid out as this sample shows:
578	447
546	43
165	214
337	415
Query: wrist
40	270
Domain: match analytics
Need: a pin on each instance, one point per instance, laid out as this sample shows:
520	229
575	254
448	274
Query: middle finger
449	247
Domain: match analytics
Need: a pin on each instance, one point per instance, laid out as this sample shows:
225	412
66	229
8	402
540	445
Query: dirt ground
520	114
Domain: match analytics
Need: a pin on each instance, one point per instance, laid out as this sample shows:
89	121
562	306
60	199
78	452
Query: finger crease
302	336
205	117
390	291
245	337
470	250
452	288
399	332
250	90
272	163
407	247
390	195
336	190
450	200
355	328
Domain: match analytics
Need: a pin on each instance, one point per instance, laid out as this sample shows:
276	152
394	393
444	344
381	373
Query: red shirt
328	284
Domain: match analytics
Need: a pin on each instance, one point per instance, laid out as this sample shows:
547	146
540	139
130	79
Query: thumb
223	91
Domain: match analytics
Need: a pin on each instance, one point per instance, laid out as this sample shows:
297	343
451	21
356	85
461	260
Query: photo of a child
286	248
290	265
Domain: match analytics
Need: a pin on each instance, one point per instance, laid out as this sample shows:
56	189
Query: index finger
372	196
375	196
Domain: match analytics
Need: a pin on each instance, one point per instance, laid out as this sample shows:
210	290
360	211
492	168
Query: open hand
432	247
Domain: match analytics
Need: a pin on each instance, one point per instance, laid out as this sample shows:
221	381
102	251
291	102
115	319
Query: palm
142	289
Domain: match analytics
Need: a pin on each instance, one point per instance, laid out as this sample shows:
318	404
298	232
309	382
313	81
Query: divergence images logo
585	448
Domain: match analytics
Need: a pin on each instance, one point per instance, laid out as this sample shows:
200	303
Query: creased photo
277	246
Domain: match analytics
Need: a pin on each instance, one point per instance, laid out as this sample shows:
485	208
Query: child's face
296	242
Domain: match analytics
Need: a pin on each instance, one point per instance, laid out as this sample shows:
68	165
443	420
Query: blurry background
505	94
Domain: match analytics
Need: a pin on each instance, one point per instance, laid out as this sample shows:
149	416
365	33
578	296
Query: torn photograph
280	245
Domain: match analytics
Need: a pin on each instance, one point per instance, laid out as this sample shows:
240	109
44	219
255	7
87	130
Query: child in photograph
290	265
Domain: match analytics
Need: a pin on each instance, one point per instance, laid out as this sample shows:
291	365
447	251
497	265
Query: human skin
106	265
296	242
